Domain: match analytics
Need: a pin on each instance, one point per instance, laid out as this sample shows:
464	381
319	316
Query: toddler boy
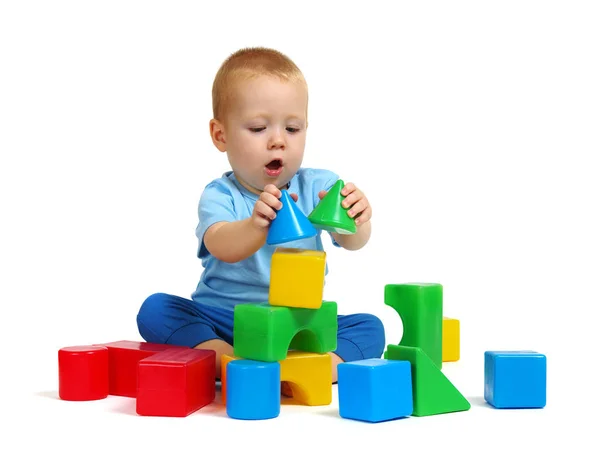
260	103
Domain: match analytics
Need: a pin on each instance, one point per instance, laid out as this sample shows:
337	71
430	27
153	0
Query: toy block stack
164	380
295	329
287	338
420	306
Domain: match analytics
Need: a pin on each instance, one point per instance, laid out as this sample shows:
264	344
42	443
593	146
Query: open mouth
274	168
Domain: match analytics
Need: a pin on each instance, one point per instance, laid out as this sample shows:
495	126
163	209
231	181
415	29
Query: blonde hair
248	63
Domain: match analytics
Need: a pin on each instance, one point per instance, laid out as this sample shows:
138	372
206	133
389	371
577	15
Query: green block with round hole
264	332
420	306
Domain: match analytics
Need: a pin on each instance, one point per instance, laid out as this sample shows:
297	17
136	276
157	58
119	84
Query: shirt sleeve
216	205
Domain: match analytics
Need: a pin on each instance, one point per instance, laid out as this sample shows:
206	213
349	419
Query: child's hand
266	206
356	201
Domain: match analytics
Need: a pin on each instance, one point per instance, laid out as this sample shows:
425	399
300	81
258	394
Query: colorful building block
308	375
433	393
264	332
420	308
123	358
297	278
330	215
175	382
83	373
450	340
515	379
290	223
254	389
375	390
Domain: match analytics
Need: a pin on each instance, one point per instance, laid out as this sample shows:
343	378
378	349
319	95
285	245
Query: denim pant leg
168	319
360	336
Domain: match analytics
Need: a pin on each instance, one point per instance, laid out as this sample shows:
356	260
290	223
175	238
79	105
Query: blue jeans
168	319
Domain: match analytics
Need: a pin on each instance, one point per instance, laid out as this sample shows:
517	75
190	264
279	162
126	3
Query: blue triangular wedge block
290	224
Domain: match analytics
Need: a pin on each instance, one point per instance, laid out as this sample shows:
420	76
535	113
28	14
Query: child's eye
256	129
292	129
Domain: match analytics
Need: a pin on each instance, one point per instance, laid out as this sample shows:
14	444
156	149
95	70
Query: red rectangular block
123	359
176	382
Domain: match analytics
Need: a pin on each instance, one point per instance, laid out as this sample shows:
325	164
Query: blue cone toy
290	224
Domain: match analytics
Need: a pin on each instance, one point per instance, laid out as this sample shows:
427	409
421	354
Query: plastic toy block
420	308
175	382
254	390
83	373
308	375
123	358
297	278
375	390
266	333
450	339
225	359
290	223
515	379
433	393
330	215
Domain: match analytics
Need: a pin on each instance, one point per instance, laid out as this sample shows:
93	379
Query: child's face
265	131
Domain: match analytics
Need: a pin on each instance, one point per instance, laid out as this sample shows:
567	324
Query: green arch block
420	308
330	215
264	332
433	393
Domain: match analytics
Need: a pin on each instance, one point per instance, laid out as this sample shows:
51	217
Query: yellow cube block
450	339
297	278
308	374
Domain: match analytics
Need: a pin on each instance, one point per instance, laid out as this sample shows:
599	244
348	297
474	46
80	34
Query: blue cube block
253	389
515	379
375	390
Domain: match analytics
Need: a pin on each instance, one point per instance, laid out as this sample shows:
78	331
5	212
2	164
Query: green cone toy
330	215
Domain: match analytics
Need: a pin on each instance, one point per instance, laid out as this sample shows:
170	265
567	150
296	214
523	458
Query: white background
473	128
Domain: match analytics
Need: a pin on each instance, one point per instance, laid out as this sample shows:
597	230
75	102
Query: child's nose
276	141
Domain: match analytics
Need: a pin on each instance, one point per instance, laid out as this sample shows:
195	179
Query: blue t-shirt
225	285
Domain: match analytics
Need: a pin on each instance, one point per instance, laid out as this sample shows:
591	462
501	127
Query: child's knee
150	315
376	330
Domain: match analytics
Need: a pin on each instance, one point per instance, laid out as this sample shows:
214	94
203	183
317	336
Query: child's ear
217	134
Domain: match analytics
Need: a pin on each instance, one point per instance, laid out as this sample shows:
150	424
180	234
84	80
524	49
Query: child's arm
235	241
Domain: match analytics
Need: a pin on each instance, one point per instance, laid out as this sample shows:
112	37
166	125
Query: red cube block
83	373
176	382
123	359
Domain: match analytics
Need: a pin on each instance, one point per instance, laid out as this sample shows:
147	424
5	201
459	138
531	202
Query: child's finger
270	200
272	189
364	216
294	196
322	194
359	207
352	199
348	188
265	210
